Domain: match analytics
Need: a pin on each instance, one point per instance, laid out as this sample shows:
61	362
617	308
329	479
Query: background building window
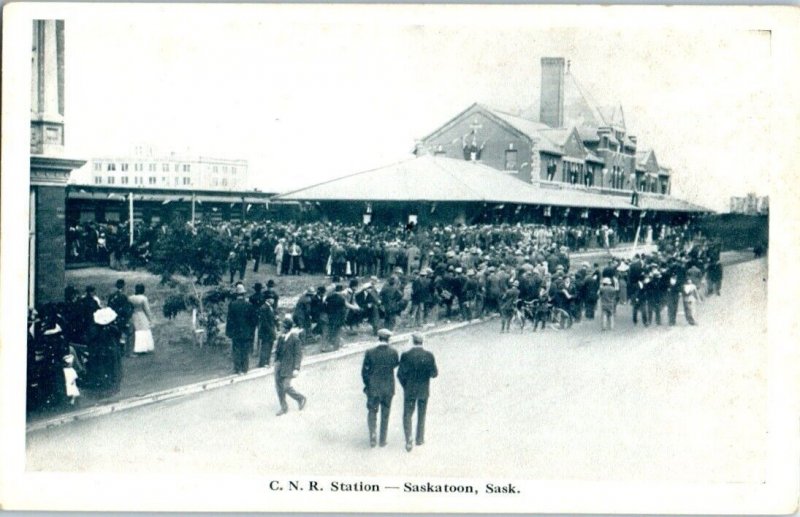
186	167
224	182
98	166
186	181
165	167
111	167
151	167
233	170
124	180
98	180
110	180
216	169
511	159
151	180
124	167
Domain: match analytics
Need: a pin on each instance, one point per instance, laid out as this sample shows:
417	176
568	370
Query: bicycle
558	318
523	312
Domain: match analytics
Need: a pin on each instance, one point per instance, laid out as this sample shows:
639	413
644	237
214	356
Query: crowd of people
84	339
387	277
329	248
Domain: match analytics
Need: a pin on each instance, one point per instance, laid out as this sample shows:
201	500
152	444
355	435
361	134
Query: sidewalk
121	404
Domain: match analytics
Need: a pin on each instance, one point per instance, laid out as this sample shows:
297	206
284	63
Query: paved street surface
683	403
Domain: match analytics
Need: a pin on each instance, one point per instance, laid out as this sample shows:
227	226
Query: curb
199	387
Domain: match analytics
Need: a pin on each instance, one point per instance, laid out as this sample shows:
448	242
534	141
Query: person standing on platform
390	298
690	298
279	250
377	372
288	358
335	307
119	302
417	368
608	299
240	328
673	296
141	320
104	370
508	302
266	332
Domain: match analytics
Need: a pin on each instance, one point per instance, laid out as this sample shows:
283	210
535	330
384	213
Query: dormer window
511	159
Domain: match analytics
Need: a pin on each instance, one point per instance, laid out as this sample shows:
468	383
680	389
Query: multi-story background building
147	169
572	142
750	204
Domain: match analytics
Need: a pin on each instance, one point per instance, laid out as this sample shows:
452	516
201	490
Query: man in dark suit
288	356
240	327
377	372
266	332
417	368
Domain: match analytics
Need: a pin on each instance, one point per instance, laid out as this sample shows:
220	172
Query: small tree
200	254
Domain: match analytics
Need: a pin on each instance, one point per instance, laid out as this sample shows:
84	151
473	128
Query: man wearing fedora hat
417	368
288	357
377	372
240	327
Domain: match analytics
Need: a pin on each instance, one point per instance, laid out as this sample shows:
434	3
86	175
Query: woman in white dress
141	318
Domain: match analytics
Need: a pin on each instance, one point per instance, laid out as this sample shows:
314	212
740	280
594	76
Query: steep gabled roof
528	127
642	155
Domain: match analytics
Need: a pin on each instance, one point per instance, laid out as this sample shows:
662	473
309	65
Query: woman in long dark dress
104	369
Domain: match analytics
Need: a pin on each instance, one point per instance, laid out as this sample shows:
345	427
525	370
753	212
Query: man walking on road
240	327
377	372
288	356
417	368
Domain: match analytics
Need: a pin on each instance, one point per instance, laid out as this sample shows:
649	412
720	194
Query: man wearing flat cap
240	327
417	368
377	372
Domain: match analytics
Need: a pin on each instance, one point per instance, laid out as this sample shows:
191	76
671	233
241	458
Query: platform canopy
439	179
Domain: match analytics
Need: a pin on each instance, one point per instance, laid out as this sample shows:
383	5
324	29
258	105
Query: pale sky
307	102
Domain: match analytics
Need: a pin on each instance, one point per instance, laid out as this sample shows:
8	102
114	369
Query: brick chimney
551	110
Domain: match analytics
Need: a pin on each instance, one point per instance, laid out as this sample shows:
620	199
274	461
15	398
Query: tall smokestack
551	106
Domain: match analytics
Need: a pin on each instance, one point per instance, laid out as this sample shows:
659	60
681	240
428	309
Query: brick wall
497	138
50	242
